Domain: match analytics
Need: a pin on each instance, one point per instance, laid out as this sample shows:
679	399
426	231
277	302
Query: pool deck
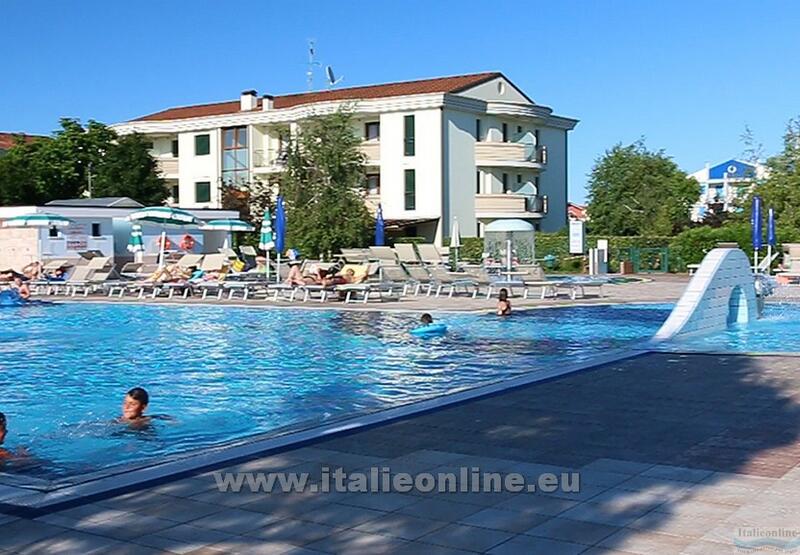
655	288
676	454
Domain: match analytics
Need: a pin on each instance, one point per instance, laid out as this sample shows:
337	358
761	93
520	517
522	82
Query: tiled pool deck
676	453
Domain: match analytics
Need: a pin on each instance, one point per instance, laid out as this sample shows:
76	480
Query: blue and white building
723	185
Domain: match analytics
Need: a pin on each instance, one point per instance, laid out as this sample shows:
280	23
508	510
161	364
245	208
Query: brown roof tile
7	140
423	86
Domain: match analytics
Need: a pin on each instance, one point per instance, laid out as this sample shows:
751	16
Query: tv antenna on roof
311	65
332	79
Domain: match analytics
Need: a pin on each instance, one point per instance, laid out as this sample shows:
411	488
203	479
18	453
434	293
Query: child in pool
426	319
503	304
5	454
133	407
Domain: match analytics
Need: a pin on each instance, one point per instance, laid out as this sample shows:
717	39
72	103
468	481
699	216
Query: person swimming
426	319
5	454
133	407
503	304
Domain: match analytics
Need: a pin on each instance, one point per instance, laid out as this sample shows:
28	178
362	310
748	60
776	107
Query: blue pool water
224	373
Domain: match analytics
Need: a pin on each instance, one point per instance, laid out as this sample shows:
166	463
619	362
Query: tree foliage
634	191
59	167
780	188
323	186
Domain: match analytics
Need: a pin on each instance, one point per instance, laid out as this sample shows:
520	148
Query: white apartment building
473	147
723	186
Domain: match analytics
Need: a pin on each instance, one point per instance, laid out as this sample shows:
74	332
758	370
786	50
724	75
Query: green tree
635	191
126	169
323	186
780	188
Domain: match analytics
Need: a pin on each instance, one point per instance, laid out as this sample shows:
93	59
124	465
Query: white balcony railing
510	204
372	150
167	166
496	153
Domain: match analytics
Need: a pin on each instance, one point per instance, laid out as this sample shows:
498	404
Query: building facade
473	147
723	186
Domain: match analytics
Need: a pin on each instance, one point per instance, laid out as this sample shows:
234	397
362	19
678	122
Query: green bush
412	240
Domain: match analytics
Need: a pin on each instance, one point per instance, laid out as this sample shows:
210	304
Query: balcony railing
497	153
510	204
268	158
167	166
372	150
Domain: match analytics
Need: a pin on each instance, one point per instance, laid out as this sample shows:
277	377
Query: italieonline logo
467	479
780	540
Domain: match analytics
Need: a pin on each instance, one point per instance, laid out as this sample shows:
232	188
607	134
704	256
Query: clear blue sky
686	75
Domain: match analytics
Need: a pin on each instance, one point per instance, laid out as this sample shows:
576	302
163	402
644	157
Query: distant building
475	147
7	140
576	212
723	185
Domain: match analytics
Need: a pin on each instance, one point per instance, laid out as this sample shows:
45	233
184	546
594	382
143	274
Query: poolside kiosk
504	239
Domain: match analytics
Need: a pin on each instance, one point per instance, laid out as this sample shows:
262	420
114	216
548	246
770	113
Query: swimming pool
224	373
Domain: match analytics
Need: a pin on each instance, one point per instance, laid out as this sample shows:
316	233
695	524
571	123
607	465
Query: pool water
224	373
777	331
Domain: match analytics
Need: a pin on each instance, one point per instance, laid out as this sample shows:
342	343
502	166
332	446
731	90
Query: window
505	182
519	130
148	145
408	135
174	148
411	190
478	182
372	130
505	132
202	145
373	184
176	193
478	130
53	232
96	230
235	165
519	179
202	191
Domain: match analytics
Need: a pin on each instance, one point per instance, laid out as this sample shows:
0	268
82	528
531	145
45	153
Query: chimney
267	102
247	100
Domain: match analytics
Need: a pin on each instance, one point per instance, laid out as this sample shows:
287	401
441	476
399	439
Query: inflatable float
430	330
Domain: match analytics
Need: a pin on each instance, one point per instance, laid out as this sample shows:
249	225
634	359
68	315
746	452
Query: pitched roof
453	84
7	140
98	202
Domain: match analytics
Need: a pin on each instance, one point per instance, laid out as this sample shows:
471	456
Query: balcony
372	150
167	167
514	155
266	161
506	205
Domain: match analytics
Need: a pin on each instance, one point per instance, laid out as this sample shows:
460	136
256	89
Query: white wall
553	180
427	162
198	168
459	172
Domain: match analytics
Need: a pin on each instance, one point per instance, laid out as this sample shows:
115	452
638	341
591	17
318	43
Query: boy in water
503	304
133	407
426	319
4	455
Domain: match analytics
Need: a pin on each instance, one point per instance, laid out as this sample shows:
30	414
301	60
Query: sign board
577	237
77	237
602	244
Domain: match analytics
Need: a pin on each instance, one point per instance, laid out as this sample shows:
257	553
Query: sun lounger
451	281
407	254
430	255
383	255
355	256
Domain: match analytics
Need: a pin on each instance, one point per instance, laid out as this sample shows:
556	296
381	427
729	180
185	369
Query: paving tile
645	543
235	521
690	526
5	519
379	501
401	526
287	504
417	548
702	547
72	542
660	487
340	516
352	541
125	527
575	531
601	478
438	509
241	545
536	504
697	507
529	545
681	473
506	521
618	466
22	532
297	532
180	510
604	514
183	538
460	536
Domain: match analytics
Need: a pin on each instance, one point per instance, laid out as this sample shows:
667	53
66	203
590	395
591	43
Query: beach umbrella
380	239
266	242
455	242
165	216
755	222
136	243
40	220
280	232
229	225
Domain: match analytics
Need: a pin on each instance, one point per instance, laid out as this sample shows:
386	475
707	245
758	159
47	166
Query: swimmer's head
426	319
135	403
503	295
3	429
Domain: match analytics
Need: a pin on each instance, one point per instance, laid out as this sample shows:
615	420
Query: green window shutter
408	139
202	191
411	190
202	145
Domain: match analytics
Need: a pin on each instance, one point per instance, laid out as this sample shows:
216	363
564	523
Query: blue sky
685	75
